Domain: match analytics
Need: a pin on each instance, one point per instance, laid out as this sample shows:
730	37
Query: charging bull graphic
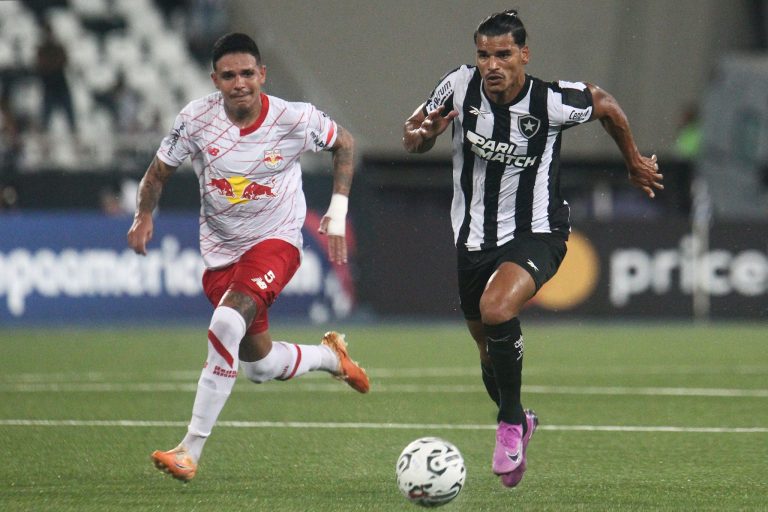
256	190
223	186
239	189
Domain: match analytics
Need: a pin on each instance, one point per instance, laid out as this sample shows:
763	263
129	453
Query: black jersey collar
522	94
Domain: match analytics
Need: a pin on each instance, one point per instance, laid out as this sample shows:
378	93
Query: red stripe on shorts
218	346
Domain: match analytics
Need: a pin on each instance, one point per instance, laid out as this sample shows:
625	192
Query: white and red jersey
250	178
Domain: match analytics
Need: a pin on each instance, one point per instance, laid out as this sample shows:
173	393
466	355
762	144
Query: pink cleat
508	454
513	478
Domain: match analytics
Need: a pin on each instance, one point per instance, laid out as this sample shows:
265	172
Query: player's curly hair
500	23
234	42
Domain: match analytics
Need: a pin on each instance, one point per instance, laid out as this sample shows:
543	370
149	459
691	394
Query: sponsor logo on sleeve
578	115
439	96
175	136
319	142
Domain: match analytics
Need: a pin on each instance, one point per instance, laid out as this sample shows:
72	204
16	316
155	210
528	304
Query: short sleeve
442	94
575	105
322	131
175	147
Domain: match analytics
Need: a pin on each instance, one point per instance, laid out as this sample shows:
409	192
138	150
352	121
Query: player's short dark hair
234	42
500	23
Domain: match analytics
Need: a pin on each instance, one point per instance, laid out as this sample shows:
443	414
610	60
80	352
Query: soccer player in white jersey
245	147
510	222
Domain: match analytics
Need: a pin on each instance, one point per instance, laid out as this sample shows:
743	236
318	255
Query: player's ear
526	55
215	79
263	73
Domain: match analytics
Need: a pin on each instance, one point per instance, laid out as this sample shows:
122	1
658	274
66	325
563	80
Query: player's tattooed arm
151	185
343	162
148	197
333	222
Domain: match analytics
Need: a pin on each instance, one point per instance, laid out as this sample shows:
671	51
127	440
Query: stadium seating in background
124	59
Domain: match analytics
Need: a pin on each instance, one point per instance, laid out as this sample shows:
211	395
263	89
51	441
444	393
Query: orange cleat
177	462
349	371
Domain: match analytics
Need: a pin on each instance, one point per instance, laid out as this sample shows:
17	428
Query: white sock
226	330
288	360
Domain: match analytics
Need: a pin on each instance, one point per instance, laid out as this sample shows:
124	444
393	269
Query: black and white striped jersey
506	158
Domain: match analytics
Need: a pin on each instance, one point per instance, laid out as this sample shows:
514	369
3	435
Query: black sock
490	382
505	347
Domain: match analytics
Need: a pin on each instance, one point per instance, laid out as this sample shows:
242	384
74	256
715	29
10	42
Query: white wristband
337	211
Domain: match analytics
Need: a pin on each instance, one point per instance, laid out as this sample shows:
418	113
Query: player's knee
258	371
495	312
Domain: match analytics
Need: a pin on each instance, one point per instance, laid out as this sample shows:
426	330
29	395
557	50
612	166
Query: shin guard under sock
489	380
505	348
226	329
288	360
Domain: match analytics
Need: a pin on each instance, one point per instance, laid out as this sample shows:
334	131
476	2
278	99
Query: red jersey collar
262	115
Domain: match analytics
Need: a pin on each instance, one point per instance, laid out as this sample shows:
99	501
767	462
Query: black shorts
538	253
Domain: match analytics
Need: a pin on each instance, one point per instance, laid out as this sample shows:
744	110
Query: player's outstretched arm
643	171
147	199
421	131
334	221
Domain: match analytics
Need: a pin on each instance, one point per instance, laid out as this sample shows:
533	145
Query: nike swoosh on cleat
514	457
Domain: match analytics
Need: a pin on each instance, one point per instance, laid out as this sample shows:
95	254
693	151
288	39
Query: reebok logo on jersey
497	151
528	125
532	265
478	112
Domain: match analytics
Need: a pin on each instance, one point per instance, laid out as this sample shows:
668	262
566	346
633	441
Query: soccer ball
430	472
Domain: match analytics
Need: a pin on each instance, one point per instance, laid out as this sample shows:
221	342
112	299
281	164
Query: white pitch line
375	426
397	373
303	387
650	391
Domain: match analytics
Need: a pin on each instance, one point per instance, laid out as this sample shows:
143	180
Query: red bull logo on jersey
498	151
239	189
213	150
256	190
272	159
223	186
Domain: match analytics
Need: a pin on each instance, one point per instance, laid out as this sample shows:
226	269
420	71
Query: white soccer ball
430	472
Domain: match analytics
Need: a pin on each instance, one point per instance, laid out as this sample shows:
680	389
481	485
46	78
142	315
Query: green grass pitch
633	417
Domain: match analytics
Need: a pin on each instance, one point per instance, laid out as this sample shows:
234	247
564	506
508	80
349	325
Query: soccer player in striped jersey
245	147
509	220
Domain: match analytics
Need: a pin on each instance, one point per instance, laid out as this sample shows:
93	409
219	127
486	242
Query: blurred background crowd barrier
89	87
